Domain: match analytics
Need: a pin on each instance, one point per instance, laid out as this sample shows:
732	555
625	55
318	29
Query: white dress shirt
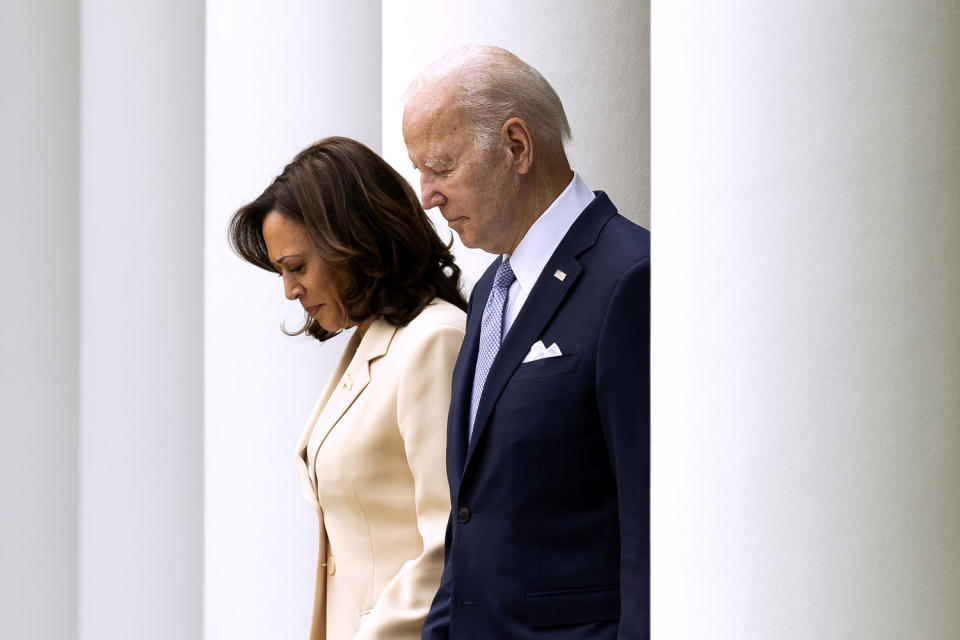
540	241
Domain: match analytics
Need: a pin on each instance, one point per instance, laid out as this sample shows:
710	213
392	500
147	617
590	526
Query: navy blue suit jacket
549	529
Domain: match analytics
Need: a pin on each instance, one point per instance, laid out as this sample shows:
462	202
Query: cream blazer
372	463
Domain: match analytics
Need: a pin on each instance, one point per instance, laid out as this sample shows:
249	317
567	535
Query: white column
279	76
806	330
38	323
594	54
141	322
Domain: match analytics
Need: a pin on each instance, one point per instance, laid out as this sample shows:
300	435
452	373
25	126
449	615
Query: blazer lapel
545	298
350	378
307	484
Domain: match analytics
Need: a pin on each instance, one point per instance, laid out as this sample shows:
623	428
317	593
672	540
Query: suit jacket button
331	566
463	515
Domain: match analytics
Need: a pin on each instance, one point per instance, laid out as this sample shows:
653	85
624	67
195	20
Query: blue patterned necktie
491	333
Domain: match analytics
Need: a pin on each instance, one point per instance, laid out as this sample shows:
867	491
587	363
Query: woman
352	244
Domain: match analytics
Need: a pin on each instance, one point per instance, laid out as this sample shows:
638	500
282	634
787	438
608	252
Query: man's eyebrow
434	163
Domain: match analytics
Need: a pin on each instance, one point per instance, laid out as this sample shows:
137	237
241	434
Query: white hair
493	85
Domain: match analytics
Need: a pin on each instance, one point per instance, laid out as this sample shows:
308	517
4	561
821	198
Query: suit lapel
543	302
463	378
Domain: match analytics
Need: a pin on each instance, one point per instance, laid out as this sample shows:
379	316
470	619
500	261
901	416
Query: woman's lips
312	310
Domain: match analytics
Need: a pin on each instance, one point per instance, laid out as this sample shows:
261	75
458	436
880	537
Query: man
548	431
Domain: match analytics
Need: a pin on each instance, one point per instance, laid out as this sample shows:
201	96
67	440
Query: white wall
594	54
141	319
806	320
38	324
279	75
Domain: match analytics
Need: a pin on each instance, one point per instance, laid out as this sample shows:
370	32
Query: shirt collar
544	235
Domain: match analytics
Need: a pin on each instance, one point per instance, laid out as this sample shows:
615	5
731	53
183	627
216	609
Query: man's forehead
430	114
433	101
436	93
430	132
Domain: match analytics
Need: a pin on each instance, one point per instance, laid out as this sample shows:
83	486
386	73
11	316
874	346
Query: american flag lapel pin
559	275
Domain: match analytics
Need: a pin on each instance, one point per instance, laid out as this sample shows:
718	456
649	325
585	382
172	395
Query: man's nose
429	196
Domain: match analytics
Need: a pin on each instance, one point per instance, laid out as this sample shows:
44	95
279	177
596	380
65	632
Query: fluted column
806	328
141	322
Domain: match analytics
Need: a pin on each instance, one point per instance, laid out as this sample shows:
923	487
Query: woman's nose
292	289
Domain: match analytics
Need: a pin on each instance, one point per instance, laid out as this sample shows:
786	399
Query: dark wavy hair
367	225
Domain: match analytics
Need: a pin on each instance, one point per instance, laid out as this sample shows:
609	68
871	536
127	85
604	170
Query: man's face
475	190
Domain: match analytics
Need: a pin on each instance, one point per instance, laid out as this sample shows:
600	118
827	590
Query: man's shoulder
625	240
603	232
619	243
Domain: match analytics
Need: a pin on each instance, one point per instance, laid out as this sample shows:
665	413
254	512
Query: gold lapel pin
348	382
559	275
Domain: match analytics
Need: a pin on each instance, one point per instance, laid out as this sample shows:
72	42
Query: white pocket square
538	352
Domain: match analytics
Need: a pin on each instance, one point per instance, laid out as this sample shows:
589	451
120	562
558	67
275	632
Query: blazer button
331	566
463	515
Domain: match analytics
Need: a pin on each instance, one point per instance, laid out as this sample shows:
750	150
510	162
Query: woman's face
306	277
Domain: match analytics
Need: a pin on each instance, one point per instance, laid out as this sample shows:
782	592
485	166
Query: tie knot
504	276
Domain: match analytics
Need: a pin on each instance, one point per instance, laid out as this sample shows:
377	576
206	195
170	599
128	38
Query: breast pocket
547	367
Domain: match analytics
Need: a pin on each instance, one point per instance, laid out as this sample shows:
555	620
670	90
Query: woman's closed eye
296	269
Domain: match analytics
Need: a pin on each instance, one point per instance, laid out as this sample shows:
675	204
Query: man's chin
470	240
465	237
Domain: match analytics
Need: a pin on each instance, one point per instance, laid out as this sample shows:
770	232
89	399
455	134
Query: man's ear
518	141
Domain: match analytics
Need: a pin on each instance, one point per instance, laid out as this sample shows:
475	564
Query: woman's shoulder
437	316
440	325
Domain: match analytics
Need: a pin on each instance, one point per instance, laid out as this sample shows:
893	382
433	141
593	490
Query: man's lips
448	218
